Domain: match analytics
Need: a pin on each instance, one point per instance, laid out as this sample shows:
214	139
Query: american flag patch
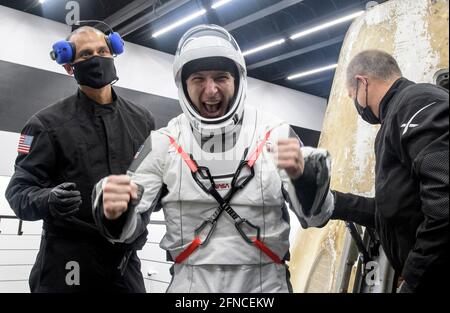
25	144
138	152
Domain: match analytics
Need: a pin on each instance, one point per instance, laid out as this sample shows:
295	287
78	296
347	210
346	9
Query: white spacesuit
223	197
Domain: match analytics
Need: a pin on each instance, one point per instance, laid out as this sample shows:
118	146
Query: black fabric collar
96	108
399	85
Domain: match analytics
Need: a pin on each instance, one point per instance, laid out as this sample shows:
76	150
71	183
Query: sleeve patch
25	142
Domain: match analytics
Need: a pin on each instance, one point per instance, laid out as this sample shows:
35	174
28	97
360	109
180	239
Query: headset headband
64	51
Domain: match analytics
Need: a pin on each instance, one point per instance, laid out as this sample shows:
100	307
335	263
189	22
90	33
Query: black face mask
95	72
365	112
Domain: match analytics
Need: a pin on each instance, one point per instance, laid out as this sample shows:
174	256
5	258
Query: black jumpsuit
77	140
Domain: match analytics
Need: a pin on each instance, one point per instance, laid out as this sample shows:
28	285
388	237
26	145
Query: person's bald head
82	30
89	42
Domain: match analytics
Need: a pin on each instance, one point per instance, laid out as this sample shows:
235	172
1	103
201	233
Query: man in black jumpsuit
64	150
410	211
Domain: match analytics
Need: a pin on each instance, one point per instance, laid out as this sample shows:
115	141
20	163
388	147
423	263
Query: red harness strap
191	164
189	250
193	167
255	155
267	251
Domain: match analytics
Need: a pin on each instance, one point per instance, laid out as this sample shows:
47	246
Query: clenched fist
289	157
117	193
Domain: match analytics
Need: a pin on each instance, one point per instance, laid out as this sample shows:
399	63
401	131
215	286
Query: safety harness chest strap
194	168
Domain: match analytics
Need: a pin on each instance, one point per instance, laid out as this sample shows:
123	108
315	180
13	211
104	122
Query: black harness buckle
242	222
237	184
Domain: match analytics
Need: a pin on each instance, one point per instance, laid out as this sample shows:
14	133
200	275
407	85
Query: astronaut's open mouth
212	108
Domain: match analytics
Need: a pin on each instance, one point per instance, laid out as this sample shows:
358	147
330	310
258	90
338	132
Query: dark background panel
25	90
163	109
309	137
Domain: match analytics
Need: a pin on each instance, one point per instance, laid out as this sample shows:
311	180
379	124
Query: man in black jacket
63	151
410	211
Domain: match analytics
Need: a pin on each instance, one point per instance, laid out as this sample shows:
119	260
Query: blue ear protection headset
63	51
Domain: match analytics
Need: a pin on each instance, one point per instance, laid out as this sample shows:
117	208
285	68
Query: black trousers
80	266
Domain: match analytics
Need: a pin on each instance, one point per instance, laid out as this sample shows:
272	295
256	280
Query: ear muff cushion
63	52
116	43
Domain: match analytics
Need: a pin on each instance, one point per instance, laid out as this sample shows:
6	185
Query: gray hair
84	29
375	63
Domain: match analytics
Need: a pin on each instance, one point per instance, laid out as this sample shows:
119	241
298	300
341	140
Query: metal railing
13	217
20	231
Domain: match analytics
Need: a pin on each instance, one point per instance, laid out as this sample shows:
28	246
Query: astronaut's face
211	92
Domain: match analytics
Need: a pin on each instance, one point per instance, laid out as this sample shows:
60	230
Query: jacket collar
94	107
399	85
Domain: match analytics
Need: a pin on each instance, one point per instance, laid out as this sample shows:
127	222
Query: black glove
314	179
315	171
64	200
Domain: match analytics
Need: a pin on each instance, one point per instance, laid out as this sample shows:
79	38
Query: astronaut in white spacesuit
223	173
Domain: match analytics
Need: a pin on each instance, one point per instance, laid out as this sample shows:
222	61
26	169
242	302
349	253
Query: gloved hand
312	188
317	165
64	200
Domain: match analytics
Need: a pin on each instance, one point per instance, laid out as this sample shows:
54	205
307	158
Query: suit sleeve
352	208
151	122
147	172
424	144
30	185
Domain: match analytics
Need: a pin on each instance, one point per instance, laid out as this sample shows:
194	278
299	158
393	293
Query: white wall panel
20	286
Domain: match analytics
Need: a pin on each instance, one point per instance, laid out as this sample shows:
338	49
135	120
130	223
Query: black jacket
411	207
75	140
